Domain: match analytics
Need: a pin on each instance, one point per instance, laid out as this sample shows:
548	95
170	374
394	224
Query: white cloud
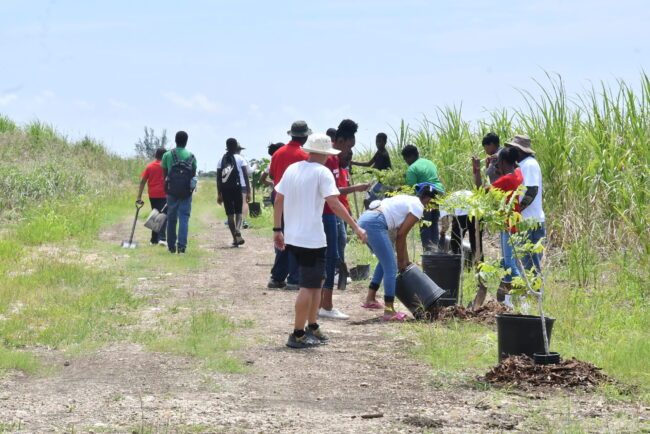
44	96
6	99
116	103
83	104
197	102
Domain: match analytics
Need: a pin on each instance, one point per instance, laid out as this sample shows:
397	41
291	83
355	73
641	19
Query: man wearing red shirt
155	180
285	265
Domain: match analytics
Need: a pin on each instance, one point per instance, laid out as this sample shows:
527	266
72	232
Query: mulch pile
484	314
522	371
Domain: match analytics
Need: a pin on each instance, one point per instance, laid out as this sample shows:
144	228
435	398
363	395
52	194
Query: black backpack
180	176
229	172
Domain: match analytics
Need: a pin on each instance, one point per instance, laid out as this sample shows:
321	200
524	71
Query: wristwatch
277	229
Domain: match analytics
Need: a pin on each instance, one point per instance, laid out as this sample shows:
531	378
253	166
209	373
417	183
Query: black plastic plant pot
444	270
360	272
546	359
254	209
417	292
521	334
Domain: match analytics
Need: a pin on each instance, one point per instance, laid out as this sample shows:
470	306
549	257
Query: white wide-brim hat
320	144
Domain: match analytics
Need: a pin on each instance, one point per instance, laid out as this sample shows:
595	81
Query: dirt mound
484	314
522	371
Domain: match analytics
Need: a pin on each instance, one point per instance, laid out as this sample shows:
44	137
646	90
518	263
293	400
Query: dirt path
365	370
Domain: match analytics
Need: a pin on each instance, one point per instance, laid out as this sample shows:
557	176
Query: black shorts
232	201
311	265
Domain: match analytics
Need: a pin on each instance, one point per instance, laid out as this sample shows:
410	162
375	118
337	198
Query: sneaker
181	250
151	243
317	334
225	222
239	239
162	243
304	341
274	284
292	287
172	250
332	314
234	244
245	224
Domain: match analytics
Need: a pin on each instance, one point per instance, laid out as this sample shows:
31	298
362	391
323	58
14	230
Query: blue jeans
380	244
534	259
285	265
342	237
429	233
508	260
332	252
178	211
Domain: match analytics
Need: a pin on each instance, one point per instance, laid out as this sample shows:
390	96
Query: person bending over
399	212
305	187
155	181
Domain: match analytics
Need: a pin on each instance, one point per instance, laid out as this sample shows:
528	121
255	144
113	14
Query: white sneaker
332	314
162	243
349	280
508	301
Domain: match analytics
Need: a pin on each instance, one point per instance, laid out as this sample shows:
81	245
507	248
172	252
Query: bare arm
278	209
366	164
338	209
529	197
265	181
248	184
219	196
143	181
400	242
353	188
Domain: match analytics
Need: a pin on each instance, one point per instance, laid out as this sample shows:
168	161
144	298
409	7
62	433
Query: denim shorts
311	265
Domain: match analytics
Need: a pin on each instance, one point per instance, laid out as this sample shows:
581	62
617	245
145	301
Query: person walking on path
179	170
422	170
344	142
531	199
301	193
285	265
401	213
379	161
232	179
154	179
509	179
245	187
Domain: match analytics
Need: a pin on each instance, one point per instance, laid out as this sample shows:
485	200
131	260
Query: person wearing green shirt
178	209
423	170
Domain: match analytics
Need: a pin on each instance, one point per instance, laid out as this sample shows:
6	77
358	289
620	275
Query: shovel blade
128	245
480	296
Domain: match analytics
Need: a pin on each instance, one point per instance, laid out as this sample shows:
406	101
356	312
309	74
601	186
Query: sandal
373	305
397	316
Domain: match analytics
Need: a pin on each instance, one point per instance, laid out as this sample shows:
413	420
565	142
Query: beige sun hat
521	141
319	144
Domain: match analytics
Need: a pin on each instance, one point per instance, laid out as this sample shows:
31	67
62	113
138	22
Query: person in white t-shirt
232	179
531	199
245	191
399	213
301	194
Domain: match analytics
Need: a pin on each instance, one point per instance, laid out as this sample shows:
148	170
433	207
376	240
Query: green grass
205	335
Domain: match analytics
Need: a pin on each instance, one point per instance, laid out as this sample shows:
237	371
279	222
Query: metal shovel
129	244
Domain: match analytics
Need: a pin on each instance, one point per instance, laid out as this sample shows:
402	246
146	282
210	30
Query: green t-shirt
423	170
168	159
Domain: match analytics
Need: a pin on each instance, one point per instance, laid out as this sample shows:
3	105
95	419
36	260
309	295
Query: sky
248	69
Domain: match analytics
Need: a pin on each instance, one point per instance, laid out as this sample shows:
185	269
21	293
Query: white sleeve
532	174
416	208
280	187
327	184
219	163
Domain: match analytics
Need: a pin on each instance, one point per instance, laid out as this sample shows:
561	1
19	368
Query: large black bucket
417	291
521	334
444	269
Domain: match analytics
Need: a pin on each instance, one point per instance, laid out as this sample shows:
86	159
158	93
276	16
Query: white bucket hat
320	144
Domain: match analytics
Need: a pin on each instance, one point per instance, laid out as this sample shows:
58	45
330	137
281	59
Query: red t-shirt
153	173
285	157
333	165
344	181
510	183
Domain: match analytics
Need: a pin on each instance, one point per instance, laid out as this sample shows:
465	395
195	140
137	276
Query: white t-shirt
532	174
460	194
396	209
305	185
241	163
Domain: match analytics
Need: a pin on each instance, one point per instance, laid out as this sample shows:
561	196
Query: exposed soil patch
484	314
569	373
